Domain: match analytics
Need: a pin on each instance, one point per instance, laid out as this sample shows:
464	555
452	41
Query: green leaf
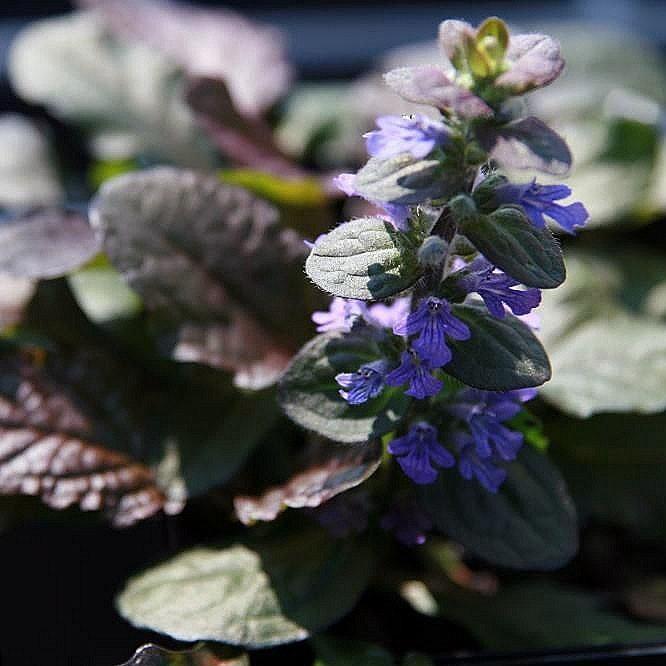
625	455
511	242
102	294
213	261
365	259
309	394
200	655
404	180
541	615
500	355
605	333
277	590
529	524
344	652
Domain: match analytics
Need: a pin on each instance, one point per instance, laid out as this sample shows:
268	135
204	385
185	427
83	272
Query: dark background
58	578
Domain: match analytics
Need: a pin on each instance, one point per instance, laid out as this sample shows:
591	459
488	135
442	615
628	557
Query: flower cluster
426	340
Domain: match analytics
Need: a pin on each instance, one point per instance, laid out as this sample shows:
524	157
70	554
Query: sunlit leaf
214	261
277	590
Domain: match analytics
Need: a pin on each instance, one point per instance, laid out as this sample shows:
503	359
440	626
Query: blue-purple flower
397	214
408	523
417	373
539	201
364	384
433	322
498	289
340	316
418	453
484	413
472	466
417	135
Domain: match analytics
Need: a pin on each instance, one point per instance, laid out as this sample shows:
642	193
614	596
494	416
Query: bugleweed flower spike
456	253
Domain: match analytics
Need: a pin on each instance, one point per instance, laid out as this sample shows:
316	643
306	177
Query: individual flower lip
364	384
484	412
433	321
538	201
417	373
471	466
340	315
418	453
397	214
497	289
417	135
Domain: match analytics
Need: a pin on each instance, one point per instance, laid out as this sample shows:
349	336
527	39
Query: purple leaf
527	144
534	61
244	140
452	36
333	469
430	84
46	244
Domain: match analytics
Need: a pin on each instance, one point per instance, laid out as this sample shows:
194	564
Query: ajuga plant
428	342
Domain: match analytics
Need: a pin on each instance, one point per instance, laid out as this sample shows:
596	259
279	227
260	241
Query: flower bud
433	251
463	209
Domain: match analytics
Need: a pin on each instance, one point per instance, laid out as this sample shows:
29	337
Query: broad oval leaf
500	355
309	394
605	333
527	143
335	469
365	259
213	260
511	242
46	244
276	591
128	95
529	524
200	655
405	180
248	56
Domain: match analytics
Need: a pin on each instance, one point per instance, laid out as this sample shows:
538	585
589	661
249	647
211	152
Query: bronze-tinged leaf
246	141
202	654
333	469
214	261
45	451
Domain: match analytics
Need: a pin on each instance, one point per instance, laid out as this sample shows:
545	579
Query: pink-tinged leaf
430	84
46	244
332	469
527	144
218	43
452	37
213	261
533	61
45	451
245	141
